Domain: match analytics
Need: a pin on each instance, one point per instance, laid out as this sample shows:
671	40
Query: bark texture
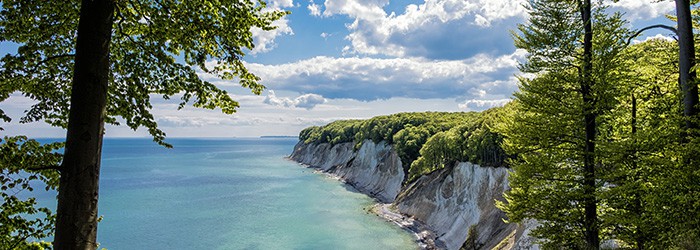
687	76
590	116
76	222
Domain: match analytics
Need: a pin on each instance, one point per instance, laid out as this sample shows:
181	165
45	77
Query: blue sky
342	59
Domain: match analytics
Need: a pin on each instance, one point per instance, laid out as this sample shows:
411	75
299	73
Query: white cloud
422	28
191	121
657	36
482	21
643	9
373	78
254	118
280	3
314	9
478	105
264	40
272	99
360	9
306	101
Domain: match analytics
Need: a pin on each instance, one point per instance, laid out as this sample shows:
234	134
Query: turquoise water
230	194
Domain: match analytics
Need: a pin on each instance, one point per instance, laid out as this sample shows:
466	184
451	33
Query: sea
240	193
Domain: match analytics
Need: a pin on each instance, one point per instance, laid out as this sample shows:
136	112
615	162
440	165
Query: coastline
425	238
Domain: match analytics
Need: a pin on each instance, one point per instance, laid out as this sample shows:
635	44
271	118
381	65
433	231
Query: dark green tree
574	66
95	61
640	129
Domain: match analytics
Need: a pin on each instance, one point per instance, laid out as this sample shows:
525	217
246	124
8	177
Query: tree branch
639	32
49	167
121	30
36	67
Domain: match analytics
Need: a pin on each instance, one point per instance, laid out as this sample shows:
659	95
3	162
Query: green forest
602	138
424	141
602	146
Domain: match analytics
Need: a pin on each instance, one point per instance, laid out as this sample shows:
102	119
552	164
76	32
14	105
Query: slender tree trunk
689	87
639	235
76	221
589	187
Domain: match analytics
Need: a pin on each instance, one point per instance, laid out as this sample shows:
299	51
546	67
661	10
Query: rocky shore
425	237
440	208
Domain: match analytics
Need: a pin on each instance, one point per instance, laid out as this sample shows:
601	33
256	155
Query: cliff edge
456	203
374	169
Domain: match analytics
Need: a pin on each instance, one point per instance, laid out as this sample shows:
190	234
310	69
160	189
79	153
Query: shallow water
229	194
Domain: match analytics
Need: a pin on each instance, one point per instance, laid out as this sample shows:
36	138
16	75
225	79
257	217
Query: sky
350	59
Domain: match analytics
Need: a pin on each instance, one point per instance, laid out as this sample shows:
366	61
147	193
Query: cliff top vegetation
425	141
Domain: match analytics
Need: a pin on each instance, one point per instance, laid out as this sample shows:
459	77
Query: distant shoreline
181	137
279	137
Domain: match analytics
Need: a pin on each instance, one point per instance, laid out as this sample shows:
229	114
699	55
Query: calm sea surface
229	194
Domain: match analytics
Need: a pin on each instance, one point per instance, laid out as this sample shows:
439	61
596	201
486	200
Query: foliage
647	170
472	240
158	49
547	131
24	162
149	37
424	141
473	141
639	129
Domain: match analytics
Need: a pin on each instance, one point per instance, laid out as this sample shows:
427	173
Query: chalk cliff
374	169
456	198
448	201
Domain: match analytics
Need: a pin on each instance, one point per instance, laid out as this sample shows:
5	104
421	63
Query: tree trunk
689	87
76	221
637	209
589	187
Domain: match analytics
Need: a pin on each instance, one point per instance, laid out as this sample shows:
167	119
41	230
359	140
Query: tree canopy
157	50
85	63
425	141
644	155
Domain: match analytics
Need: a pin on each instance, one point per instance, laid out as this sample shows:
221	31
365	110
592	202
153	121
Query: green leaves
23	162
159	49
644	195
426	141
150	35
558	105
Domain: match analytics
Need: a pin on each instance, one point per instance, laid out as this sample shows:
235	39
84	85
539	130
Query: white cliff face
448	201
373	169
323	156
453	199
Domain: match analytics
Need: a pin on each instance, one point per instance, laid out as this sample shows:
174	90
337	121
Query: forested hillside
425	141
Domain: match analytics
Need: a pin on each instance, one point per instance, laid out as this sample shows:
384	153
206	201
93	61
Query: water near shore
230	194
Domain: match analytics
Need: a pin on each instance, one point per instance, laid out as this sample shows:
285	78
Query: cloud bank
436	29
368	79
643	9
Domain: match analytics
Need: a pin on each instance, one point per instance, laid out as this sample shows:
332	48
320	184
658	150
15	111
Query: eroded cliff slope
374	168
454	199
449	201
